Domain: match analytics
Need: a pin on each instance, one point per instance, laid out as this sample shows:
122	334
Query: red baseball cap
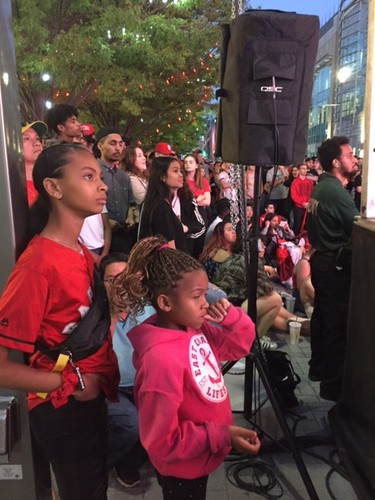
163	148
87	129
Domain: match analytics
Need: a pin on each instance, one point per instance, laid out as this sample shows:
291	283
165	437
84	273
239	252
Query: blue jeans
74	440
214	293
124	447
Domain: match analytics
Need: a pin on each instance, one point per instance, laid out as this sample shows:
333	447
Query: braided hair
153	268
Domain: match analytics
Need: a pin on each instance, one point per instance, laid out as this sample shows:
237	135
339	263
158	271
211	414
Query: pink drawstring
163	246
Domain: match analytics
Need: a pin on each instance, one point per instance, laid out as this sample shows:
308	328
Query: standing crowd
133	289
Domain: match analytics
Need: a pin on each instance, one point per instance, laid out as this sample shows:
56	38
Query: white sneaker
267	344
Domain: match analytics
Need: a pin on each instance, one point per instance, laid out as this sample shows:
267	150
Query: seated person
249	217
281	250
268	209
231	277
222	211
218	247
125	452
302	274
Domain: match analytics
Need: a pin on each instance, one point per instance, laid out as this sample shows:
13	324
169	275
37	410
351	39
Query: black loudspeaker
267	67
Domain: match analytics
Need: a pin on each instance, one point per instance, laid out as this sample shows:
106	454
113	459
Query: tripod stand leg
257	360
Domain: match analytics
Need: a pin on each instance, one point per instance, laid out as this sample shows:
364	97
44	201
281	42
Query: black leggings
74	440
175	488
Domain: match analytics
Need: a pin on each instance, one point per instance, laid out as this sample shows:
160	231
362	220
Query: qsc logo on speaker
271	88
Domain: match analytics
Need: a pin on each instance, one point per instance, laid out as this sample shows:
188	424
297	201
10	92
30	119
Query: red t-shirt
32	193
47	293
195	189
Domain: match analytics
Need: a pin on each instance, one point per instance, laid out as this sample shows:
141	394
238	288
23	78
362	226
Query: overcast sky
322	8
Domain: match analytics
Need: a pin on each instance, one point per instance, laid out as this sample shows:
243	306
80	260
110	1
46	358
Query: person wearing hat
108	150
32	134
88	136
163	149
63	120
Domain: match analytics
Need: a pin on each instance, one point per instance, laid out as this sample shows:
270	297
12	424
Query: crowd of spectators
187	200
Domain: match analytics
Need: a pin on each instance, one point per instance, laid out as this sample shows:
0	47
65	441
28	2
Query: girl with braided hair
185	418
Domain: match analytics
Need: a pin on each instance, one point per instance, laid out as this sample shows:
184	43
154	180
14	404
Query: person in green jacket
330	217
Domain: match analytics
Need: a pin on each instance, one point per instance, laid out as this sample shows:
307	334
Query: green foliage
138	65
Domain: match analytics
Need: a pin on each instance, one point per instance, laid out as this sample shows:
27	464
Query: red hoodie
183	406
300	191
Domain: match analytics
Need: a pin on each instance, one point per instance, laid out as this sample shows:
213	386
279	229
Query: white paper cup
294	332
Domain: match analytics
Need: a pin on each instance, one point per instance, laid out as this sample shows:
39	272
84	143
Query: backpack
283	376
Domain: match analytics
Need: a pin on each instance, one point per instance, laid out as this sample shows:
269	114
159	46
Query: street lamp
46	77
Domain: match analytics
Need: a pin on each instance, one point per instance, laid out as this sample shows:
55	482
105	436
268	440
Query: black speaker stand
255	358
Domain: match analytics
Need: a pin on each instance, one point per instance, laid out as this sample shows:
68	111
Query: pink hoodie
183	405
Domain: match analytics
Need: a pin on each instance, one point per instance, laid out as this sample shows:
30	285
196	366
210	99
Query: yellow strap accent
61	363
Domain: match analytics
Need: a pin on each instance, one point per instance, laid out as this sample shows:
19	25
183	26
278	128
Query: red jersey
195	189
47	294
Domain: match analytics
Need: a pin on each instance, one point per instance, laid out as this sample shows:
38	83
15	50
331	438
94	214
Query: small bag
283	376
88	336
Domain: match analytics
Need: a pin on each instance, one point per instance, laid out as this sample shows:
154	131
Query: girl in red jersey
48	293
185	418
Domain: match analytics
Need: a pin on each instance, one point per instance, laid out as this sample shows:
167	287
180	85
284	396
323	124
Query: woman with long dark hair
157	215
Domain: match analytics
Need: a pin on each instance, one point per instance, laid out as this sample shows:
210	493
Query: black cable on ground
263	479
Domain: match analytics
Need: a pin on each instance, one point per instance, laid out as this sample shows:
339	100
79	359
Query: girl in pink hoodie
185	417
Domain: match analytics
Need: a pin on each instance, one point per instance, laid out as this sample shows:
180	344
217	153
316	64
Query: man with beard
108	150
331	212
